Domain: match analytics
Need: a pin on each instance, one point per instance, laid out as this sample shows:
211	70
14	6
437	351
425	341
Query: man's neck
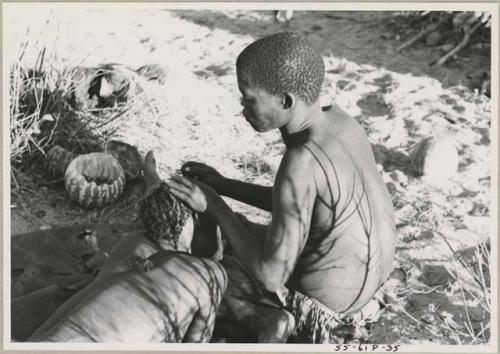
302	125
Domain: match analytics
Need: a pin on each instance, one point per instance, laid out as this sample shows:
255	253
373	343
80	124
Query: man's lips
247	116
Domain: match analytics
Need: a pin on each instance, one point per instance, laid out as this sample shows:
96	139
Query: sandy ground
397	97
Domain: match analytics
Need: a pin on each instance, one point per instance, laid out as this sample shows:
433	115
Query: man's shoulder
299	156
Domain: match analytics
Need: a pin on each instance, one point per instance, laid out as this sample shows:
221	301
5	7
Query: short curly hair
164	215
283	62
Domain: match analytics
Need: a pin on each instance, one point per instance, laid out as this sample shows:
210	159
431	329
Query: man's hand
194	194
201	172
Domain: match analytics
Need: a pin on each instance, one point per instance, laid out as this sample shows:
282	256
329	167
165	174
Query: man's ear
288	100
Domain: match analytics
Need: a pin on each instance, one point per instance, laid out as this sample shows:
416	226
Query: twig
343	18
111	120
481	273
454	253
453	332
468	325
40	59
481	333
420	35
23	49
428	291
54	181
13	176
417	321
467	36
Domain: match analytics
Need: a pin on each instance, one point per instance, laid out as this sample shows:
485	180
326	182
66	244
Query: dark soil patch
341	84
384	83
373	105
485	135
436	275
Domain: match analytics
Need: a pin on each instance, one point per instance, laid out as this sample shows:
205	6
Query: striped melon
57	160
94	180
128	156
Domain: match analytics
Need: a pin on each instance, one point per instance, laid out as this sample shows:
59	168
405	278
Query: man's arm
273	260
248	193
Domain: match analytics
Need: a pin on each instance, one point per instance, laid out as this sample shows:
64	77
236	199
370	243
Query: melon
127	155
94	180
436	159
57	160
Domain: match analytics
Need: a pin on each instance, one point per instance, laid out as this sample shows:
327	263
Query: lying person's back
175	301
350	247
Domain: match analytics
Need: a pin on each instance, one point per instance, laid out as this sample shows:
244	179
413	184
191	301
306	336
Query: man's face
262	110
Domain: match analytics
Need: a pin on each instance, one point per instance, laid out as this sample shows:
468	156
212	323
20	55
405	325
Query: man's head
273	73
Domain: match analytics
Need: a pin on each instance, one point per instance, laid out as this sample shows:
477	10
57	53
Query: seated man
149	290
332	235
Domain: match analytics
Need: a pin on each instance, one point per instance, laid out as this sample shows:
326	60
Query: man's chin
259	129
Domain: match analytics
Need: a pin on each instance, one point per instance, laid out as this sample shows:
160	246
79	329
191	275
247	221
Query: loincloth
316	323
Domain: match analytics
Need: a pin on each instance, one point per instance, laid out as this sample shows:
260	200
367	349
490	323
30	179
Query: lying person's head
167	220
275	73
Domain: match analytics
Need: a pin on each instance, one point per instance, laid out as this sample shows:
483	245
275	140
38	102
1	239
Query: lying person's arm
273	260
248	193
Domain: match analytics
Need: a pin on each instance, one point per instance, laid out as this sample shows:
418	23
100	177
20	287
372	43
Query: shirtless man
332	234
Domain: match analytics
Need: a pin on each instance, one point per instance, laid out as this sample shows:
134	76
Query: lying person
149	290
332	235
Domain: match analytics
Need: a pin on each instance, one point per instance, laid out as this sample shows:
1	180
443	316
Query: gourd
57	160
436	159
94	180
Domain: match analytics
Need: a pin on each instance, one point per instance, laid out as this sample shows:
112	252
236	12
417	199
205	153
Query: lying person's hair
281	63
163	214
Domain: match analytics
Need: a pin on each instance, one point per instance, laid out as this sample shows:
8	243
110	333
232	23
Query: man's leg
245	301
269	324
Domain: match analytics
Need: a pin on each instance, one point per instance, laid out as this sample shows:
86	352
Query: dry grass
41	111
472	274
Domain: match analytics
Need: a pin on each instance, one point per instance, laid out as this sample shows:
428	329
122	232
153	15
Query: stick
420	323
420	35
48	183
111	120
343	18
460	46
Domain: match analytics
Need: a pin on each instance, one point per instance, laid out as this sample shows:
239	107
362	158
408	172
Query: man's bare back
350	245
